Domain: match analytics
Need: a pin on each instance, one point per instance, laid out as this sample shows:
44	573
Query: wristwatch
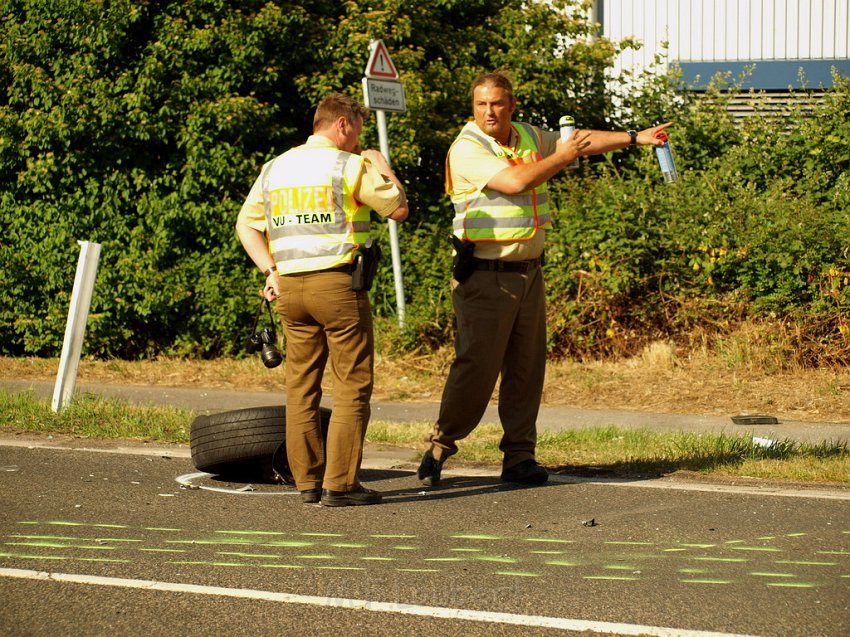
633	136
270	270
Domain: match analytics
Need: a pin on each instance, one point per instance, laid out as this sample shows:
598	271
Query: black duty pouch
463	265
365	266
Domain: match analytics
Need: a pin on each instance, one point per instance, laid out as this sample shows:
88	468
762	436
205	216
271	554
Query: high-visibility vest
314	222
490	215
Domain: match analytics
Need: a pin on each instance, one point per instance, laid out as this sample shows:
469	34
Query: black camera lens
270	356
265	342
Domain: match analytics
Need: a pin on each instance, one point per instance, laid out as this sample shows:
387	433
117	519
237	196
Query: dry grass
660	379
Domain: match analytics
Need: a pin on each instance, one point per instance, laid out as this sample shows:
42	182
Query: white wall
707	30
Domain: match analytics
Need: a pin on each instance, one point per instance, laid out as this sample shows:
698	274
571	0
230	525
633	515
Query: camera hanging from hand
264	341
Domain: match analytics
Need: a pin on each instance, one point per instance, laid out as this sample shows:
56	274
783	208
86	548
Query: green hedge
141	126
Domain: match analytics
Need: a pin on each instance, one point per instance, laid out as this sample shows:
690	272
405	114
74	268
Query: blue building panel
767	75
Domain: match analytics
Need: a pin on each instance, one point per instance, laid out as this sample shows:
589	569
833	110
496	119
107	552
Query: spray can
665	159
568	127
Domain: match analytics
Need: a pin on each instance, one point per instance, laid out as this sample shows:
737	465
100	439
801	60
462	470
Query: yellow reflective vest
490	215
314	222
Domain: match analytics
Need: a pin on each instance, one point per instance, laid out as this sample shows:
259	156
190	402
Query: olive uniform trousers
501	329
324	321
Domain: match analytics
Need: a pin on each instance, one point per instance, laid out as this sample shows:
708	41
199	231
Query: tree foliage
141	126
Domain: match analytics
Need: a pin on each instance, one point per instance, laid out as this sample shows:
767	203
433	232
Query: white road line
610	628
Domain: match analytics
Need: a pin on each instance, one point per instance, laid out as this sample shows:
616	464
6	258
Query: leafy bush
758	230
141	126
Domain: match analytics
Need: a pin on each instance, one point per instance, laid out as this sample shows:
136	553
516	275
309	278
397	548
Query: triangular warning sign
380	64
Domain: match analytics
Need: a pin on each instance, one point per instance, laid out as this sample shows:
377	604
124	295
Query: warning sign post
382	91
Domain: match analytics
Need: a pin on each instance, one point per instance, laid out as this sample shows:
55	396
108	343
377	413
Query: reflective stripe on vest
313	220
490	215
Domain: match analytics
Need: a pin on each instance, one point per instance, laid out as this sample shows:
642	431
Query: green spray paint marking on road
792	584
204	563
631	543
805	563
496	558
698	546
307	534
25	556
251	532
613	578
69	538
289	543
235	543
87	524
341	568
213	542
256	555
547	552
56	545
50	545
348	545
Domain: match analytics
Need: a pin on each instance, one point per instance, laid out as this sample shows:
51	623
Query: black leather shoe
311	496
355	497
430	469
526	472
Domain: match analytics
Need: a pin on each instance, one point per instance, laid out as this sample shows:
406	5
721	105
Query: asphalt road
121	539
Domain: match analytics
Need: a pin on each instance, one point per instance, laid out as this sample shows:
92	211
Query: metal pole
75	328
396	253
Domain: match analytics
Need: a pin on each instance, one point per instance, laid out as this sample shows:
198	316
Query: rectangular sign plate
384	95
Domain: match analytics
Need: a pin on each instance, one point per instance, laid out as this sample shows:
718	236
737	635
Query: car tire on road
245	443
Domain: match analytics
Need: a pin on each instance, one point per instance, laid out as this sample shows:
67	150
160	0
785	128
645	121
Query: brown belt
497	265
340	268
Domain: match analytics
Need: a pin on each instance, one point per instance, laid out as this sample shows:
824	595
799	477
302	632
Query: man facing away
305	224
496	174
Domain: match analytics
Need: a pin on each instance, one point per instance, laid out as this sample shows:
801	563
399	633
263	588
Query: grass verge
90	416
642	453
599	451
